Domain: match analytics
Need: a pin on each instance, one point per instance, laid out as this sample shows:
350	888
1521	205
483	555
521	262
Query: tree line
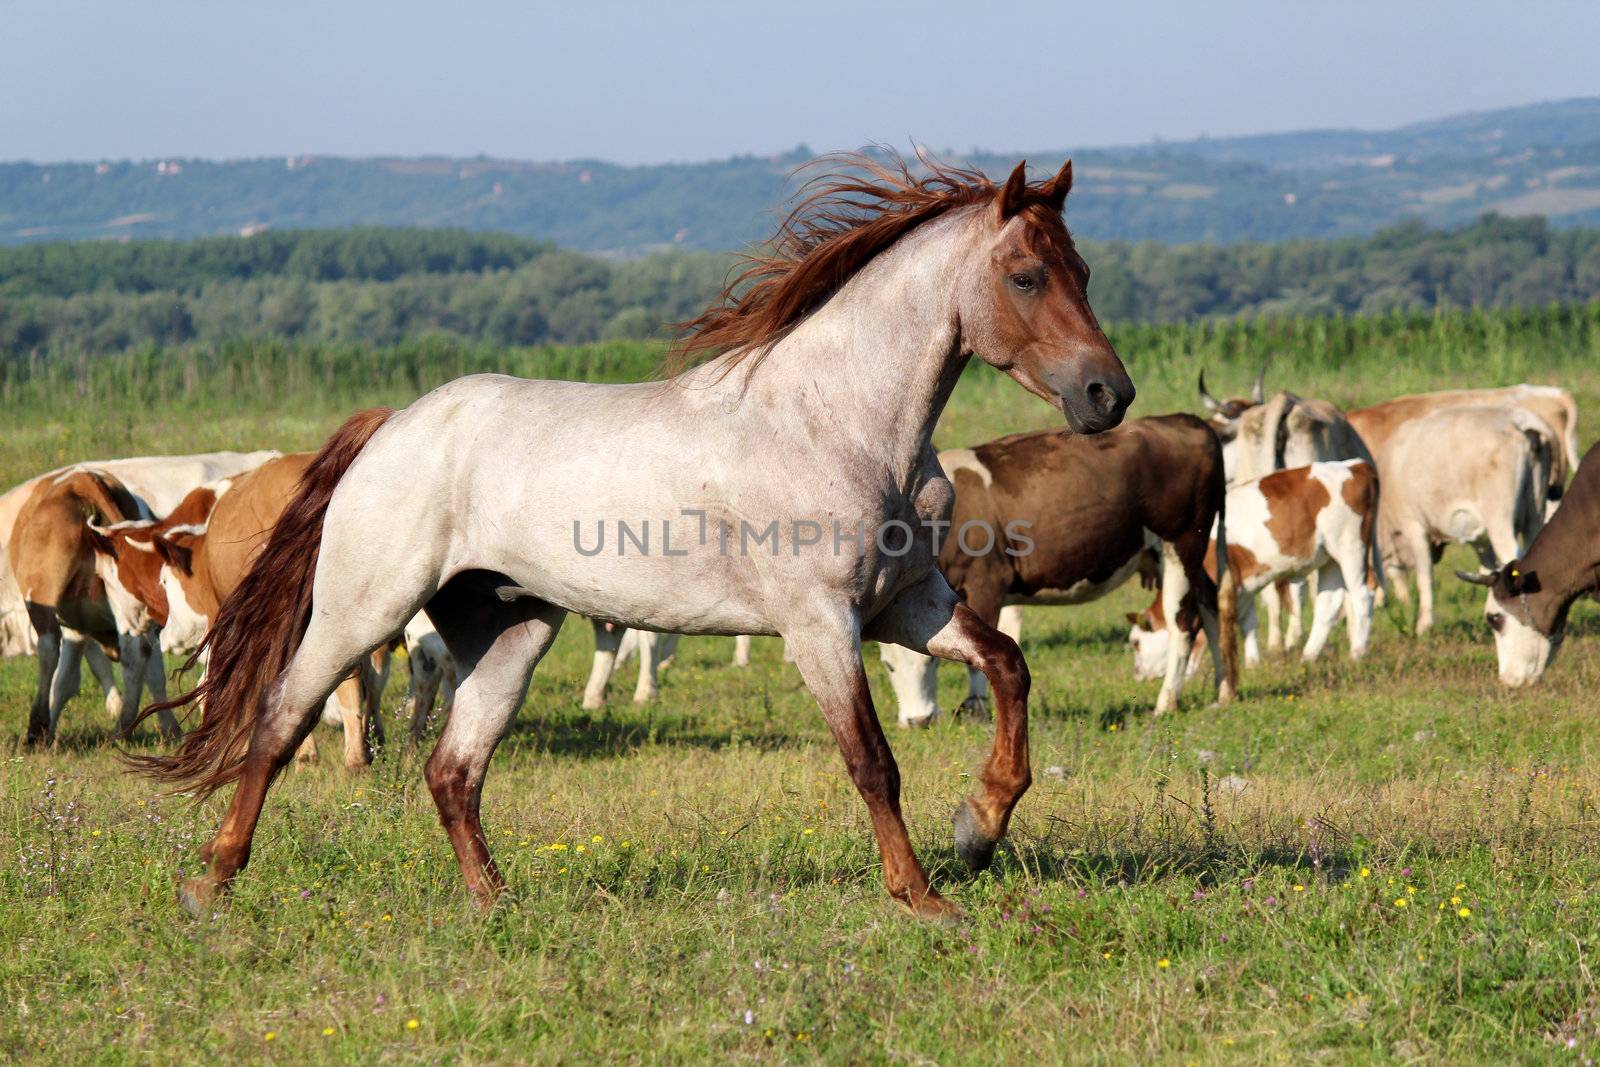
384	286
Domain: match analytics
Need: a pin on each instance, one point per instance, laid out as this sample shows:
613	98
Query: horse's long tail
259	626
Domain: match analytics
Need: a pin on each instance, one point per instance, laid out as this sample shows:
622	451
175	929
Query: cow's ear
101	540
176	550
1132	617
1520	582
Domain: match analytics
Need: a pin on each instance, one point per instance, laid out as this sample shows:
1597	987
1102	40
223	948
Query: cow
613	645
1379	423
52	558
1477	475
1529	598
1320	519
160	481
1056	518
181	573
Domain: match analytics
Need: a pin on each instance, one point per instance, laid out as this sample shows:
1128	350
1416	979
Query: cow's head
1528	624
1148	637
126	561
189	597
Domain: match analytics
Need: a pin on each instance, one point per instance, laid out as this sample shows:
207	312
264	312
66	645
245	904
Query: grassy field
1383	862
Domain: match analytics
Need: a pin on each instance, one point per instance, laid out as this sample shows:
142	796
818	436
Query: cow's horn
1481	578
1258	391
1211	402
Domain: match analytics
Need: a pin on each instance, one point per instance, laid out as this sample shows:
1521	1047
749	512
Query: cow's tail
1368	504
259	626
1227	606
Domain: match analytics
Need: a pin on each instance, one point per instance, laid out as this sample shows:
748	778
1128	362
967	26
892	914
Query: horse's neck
877	363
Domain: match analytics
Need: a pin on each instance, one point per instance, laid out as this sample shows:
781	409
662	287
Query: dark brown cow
1529	598
1058	518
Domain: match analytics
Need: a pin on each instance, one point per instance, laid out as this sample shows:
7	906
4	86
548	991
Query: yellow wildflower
1401	902
1163	963
412	1024
1464	912
1366	873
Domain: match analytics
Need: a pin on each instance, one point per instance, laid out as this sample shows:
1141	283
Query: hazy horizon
703	81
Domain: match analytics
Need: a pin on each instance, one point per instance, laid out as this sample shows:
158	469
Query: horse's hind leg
290	708
496	645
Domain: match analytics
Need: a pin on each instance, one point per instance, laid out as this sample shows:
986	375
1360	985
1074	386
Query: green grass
728	868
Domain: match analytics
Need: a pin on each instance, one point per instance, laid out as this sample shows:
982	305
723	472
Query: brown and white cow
1319	519
181	573
1529	598
1058	518
52	558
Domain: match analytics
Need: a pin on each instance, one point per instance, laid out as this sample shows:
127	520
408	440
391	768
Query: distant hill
1543	159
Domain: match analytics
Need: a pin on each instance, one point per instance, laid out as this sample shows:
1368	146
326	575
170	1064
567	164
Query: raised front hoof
199	896
919	722
974	709
975	847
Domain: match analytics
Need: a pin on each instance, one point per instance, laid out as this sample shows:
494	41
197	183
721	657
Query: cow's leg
1174	589
352	716
1272	602
1294	612
45	710
496	646
741	650
928	618
155	679
607	643
106	676
67	676
655	650
1358	598
1325	610
1422	559
135	654
1247	627
827	649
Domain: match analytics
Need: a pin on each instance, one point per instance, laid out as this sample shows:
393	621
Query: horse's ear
1056	192
1009	200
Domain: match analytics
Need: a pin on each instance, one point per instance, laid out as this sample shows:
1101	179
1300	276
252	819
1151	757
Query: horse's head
1024	307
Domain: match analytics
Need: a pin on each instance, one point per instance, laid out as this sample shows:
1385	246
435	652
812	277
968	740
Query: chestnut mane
845	217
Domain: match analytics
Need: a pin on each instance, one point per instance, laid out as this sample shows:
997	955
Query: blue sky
685	79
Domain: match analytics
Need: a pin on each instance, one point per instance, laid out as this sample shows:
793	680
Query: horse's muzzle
1099	404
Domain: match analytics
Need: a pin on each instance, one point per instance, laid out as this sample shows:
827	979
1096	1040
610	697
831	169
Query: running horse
780	478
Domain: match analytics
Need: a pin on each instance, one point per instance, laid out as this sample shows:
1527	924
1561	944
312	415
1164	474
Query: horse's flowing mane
855	209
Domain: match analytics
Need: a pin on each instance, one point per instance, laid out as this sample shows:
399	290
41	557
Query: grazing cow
183	572
1318	519
1474	475
1529	598
1053	518
52	558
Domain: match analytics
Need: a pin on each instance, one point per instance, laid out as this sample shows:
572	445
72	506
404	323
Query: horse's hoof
931	907
198	896
972	844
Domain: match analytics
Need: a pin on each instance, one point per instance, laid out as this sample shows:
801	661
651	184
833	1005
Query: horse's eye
1496	621
1025	283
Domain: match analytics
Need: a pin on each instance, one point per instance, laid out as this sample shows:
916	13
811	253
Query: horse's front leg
928	618
828	654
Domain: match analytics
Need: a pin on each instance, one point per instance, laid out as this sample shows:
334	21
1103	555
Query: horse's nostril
1102	397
